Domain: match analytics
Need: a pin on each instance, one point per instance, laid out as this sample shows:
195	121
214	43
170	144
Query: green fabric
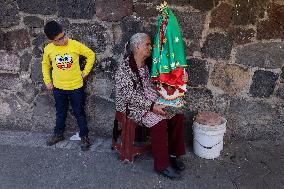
172	54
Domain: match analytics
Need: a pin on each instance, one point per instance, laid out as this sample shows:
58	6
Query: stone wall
235	52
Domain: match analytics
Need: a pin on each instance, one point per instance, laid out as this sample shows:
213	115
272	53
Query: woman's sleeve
125	89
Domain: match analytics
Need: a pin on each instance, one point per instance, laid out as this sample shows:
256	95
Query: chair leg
128	136
126	147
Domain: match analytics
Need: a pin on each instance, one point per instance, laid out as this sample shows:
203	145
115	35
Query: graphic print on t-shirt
64	62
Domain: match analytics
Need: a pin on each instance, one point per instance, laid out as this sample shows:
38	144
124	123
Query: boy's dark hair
52	29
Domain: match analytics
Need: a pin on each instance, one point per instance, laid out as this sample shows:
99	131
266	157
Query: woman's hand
158	109
185	77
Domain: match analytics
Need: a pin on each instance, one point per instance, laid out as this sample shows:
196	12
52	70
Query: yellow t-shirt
64	61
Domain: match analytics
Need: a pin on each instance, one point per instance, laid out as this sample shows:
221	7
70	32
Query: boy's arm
46	69
90	57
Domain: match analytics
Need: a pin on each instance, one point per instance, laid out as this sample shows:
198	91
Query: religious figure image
169	60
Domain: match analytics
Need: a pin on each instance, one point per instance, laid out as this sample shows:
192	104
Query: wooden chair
129	133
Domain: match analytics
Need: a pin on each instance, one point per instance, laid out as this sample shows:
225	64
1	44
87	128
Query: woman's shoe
169	172
177	164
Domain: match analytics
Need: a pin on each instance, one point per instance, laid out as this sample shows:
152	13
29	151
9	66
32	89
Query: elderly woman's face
145	47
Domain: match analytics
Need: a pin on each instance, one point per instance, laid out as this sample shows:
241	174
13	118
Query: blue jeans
77	99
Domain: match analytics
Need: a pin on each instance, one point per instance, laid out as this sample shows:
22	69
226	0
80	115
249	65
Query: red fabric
174	78
162	32
167	139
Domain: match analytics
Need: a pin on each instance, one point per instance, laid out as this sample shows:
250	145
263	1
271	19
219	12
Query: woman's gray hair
136	39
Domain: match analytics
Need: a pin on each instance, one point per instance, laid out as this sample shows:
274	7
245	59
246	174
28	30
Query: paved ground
26	162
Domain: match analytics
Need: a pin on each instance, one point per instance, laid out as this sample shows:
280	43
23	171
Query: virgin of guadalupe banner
169	61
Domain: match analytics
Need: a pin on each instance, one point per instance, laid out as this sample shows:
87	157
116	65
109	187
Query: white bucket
208	140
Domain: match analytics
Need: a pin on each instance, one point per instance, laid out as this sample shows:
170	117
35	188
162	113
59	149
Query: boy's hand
83	76
158	109
49	86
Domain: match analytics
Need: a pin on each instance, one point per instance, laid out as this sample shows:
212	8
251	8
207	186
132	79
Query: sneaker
75	137
85	143
54	139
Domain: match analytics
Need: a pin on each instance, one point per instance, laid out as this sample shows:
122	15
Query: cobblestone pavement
26	162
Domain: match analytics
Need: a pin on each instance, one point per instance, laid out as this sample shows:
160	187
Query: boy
61	56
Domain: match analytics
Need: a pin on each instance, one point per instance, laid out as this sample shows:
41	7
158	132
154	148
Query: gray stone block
44	105
17	40
222	16
264	55
199	99
28	92
241	36
150	29
221	104
269	131
38	52
113	10
43	113
145	11
106	67
100	114
272	28
9	62
191	25
112	94
198	72
76	9
231	78
129	26
217	46
282	75
247	12
253	119
170	2
280	91
14	114
204	5
9	14
2	40
263	84
40	39
9	81
33	21
179	2
25	60
92	35
36	70
46	7
101	86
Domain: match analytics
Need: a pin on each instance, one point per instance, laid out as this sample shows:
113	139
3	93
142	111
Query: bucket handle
206	146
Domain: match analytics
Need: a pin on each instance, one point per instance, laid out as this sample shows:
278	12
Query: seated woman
136	97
